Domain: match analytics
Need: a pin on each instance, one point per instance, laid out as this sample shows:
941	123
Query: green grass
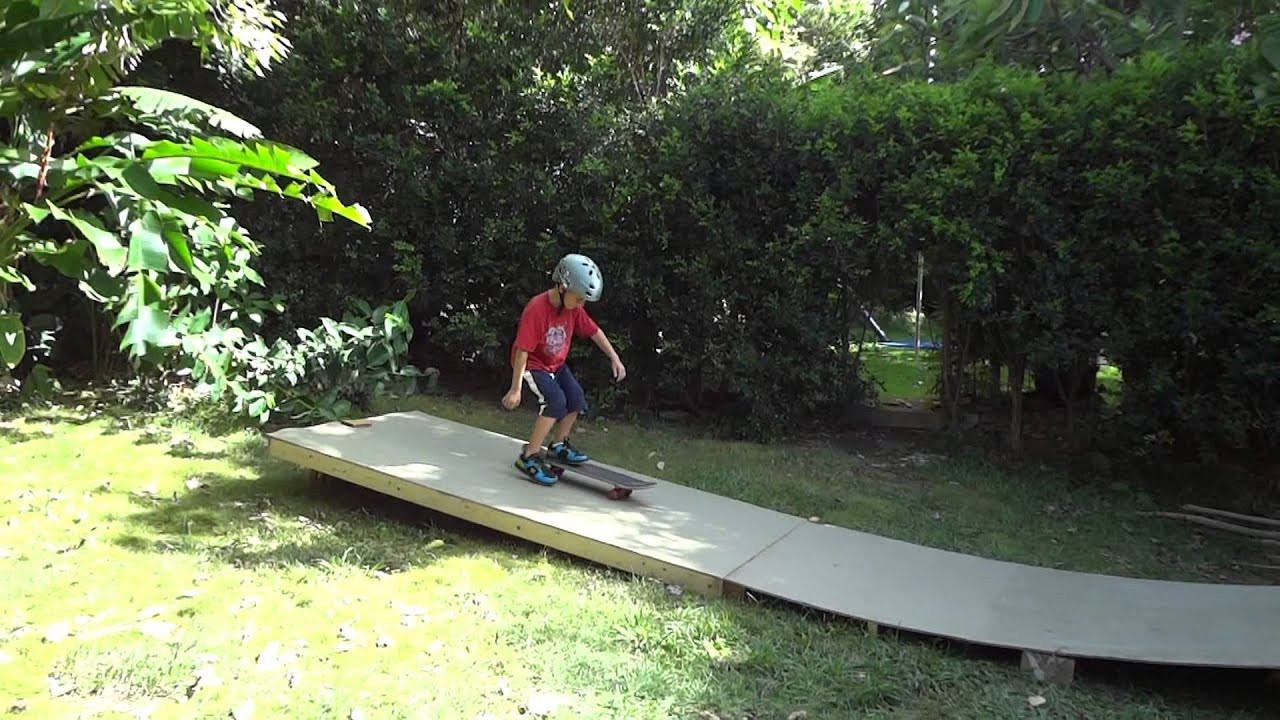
901	373
169	574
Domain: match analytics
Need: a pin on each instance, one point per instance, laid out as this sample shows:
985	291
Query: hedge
742	224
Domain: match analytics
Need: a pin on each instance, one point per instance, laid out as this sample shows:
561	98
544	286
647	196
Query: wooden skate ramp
989	602
716	545
677	534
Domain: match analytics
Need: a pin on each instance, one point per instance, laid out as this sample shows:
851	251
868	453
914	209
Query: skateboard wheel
618	493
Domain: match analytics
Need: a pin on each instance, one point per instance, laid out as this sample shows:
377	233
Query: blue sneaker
565	453
532	466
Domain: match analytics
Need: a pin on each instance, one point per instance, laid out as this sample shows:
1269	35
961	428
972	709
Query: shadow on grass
282	517
17	436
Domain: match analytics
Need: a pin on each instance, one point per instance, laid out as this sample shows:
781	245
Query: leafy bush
321	377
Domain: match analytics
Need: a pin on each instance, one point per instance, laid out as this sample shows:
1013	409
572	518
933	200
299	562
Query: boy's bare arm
517	368
602	341
512	398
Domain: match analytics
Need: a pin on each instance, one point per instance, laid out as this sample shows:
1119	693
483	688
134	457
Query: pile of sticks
1264	530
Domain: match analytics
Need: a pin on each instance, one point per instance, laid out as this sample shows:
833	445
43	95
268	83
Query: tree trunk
1017	369
993	376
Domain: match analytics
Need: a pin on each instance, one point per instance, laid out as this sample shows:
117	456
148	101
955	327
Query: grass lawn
900	372
152	570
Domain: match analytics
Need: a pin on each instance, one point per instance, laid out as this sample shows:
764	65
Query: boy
547	326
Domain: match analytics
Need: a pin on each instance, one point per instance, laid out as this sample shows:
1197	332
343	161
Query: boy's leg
575	403
551	407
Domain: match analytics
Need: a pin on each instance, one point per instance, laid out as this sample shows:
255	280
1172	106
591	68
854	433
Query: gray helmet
579	274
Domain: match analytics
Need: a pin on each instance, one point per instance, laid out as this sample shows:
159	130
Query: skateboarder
547	326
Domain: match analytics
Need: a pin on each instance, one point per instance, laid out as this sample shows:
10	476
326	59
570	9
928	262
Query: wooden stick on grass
1255	519
1271	535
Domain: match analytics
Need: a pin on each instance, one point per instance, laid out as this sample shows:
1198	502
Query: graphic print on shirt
556	339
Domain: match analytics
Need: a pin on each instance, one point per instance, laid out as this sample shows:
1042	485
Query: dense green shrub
744	220
1179	187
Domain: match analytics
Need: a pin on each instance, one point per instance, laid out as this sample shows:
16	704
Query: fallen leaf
205	677
194	483
56	688
269	658
543	704
434	544
798	715
57	632
1036	701
662	465
152	611
158	629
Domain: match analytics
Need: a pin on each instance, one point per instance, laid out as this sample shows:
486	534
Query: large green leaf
13	340
11	274
147	247
110	251
263	155
1269	40
65	257
146	322
164	102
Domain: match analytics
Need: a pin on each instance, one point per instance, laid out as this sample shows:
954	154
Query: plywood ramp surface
705	542
669	531
989	602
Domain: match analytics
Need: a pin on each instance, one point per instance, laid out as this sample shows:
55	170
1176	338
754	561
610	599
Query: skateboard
622	484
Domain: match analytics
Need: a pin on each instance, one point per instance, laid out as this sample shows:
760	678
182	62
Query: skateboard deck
622	484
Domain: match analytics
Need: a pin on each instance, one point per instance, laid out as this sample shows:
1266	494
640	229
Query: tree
1081	36
126	189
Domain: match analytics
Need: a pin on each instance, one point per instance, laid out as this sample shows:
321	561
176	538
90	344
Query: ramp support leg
1055	669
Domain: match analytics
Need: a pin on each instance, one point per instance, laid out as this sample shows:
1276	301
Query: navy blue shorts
558	394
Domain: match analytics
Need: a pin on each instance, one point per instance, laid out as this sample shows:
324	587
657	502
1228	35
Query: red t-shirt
546	332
